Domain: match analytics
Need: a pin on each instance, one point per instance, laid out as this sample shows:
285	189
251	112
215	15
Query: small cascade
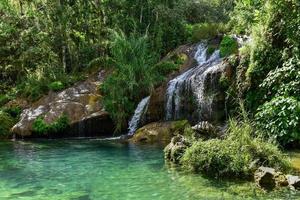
185	93
138	115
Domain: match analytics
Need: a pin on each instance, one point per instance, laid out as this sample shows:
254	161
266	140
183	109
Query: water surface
91	169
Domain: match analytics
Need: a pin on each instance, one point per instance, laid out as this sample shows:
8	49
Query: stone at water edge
159	132
175	150
265	178
80	103
294	182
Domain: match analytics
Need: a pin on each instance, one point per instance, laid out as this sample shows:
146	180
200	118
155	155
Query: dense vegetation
49	45
236	155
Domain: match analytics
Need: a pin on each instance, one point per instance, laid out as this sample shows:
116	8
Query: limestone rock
79	103
265	178
175	150
294	182
159	132
205	129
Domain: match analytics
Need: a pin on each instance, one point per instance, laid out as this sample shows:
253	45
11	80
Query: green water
91	169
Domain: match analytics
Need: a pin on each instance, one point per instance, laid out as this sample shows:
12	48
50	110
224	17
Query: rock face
198	94
175	150
159	132
156	108
294	182
79	103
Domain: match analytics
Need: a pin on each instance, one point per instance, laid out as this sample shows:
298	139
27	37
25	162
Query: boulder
175	150
265	178
159	132
80	103
205	129
293	182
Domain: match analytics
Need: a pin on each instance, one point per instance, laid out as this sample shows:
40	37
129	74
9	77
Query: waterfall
185	93
138	115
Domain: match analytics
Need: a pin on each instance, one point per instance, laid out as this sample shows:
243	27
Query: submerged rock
175	150
79	103
159	132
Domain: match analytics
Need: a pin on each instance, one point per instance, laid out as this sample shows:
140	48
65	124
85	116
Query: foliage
6	123
272	61
244	15
40	127
284	80
13	111
280	119
133	76
235	155
204	31
228	46
166	67
56	86
4	99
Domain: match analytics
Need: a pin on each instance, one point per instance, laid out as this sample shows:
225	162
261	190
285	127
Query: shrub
6	123
204	31
228	46
132	79
280	119
13	111
40	127
165	67
284	80
56	86
238	154
4	99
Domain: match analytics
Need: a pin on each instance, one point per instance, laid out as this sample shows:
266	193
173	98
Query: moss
159	132
228	46
180	125
56	86
224	81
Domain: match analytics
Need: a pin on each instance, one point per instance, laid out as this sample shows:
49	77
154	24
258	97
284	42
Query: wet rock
156	110
79	103
159	132
188	103
175	150
265	178
293	182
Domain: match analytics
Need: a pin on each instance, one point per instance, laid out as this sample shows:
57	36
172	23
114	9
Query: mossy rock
159	132
228	46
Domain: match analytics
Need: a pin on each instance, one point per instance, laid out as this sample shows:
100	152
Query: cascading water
185	93
138	115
